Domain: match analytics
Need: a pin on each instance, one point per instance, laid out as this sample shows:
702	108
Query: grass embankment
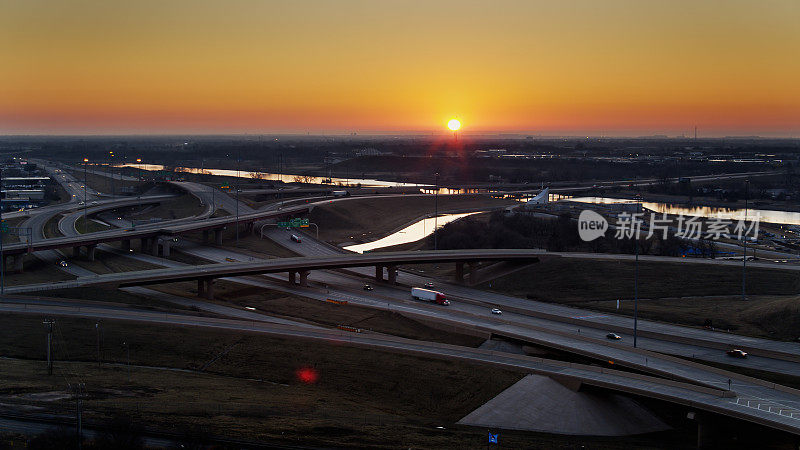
90	225
102	183
34	271
364	220
185	205
50	228
361	398
8	237
677	292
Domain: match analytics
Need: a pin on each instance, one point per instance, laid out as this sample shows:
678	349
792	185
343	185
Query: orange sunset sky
395	66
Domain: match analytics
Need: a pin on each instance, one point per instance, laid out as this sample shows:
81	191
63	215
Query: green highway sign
297	223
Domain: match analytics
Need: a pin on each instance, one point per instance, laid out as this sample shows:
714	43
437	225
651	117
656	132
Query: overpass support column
125	244
90	252
210	288
152	248
145	245
17	263
292	277
205	236
459	272
218	236
391	272
473	273
304	278
201	287
76	251
165	244
379	273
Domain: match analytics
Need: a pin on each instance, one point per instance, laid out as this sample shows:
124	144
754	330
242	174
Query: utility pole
128	350
48	324
238	159
79	388
97	330
436	214
138	190
85	200
744	240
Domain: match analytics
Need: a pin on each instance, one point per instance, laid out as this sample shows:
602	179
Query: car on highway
63	263
613	336
295	238
429	285
496	311
230	260
737	353
93	203
368	287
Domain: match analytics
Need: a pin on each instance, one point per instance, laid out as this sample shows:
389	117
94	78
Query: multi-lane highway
567	329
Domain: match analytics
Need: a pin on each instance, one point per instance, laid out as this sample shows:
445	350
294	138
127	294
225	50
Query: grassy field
566	280
770	317
675	293
375	218
361	398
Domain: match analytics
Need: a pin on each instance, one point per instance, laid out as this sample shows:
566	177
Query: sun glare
454	125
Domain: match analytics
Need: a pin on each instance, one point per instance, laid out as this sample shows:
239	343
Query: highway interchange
567	329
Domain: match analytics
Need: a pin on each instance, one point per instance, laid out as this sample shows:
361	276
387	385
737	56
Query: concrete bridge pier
76	251
145	245
16	264
304	278
292	277
125	244
218	236
473	273
205	288
392	274
164	246
459	272
378	273
90	252
205	236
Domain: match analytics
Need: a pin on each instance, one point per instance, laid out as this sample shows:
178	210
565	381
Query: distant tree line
520	230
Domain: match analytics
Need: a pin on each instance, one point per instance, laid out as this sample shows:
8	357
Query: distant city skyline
612	68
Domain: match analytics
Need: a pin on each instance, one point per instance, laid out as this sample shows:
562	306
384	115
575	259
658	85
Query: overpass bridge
155	240
205	274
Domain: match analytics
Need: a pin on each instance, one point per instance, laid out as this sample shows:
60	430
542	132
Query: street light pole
85	224
436	213
744	239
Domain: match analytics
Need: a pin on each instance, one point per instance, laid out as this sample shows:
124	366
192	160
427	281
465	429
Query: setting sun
454	124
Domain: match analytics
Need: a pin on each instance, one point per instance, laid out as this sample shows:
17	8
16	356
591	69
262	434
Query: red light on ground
307	375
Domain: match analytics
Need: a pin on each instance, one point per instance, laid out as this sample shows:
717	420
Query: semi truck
429	296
